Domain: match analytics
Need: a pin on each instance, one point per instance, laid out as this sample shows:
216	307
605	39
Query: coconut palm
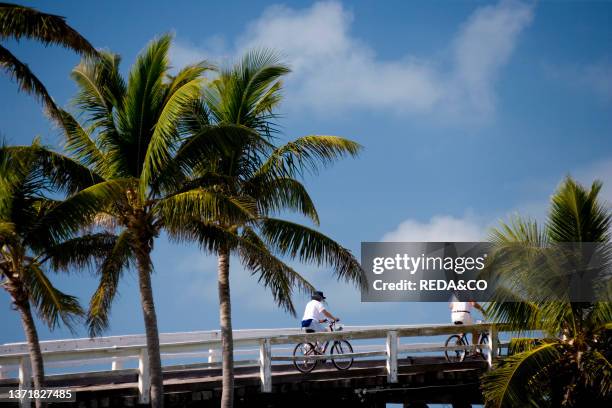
37	235
232	151
18	22
571	365
128	137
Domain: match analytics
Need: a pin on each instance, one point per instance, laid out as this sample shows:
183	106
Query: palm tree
17	22
231	151
128	138
571	366
36	236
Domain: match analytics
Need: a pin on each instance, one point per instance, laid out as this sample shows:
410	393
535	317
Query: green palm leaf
307	154
81	252
80	144
51	304
71	215
576	215
566	369
27	81
508	384
597	371
308	245
272	272
274	194
205	204
144	101
110	272
18	22
61	172
165	135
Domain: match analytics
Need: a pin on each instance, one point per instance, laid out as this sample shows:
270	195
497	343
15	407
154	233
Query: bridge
389	367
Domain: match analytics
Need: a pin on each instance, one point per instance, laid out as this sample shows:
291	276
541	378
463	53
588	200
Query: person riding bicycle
315	314
461	313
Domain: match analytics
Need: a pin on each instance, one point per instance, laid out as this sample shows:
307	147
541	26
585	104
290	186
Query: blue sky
468	112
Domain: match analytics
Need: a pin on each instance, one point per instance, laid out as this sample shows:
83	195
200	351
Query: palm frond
19	22
8	235
82	252
110	271
521	315
600	315
185	75
246	93
101	99
308	154
59	222
61	172
519	231
100	89
209	236
211	142
281	193
272	272
205	204
597	370
576	214
80	144
144	99
308	245
27	81
164	140
51	304
508	384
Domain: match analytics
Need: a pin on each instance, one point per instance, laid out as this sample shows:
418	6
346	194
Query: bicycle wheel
483	346
455	356
341	347
304	349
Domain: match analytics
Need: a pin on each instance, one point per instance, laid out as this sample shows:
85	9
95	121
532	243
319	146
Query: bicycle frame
310	347
331	326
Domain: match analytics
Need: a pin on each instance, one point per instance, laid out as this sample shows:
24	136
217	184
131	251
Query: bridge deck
425	379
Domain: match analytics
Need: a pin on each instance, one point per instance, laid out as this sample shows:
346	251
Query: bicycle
457	356
338	348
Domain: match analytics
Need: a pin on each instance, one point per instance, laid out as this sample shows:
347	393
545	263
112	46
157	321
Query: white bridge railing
260	344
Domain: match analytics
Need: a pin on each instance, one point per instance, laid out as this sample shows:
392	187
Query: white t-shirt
314	310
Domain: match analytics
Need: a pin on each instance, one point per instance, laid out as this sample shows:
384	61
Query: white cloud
440	228
333	71
483	47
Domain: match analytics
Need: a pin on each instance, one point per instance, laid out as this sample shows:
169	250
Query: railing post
392	346
25	380
212	356
2	373
116	364
493	346
265	365
144	377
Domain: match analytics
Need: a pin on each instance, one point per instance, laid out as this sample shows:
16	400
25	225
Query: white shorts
316	326
461	318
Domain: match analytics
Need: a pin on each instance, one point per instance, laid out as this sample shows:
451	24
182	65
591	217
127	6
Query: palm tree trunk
36	359
143	259
225	320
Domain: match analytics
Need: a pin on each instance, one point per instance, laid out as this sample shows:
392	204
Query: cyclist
461	313
315	314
